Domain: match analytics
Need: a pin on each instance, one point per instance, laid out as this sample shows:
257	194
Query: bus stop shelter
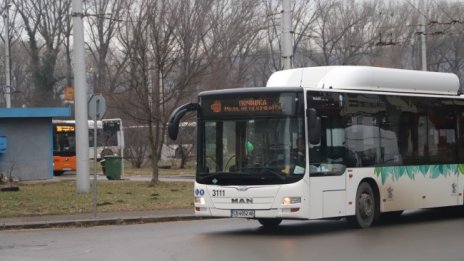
26	142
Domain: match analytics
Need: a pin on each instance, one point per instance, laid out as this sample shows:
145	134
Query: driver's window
210	147
329	156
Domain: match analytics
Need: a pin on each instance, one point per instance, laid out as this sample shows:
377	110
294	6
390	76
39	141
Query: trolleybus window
362	130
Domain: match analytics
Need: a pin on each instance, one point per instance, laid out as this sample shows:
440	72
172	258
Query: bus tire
367	210
270	222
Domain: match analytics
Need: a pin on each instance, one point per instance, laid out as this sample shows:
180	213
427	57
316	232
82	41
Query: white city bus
325	142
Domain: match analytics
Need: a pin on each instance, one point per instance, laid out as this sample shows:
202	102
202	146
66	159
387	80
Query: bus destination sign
246	105
265	105
64	128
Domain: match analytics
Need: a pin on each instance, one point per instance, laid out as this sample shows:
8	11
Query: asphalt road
421	235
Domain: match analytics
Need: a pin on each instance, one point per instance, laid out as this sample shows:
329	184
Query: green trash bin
113	167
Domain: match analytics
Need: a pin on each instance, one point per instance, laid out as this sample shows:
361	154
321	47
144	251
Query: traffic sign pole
97	108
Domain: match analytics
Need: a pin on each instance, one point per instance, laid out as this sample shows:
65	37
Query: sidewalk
87	219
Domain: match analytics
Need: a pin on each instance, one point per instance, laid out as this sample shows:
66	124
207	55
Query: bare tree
303	20
186	143
150	44
393	36
338	31
151	56
21	77
445	36
104	17
44	23
236	32
136	149
164	17
16	56
67	32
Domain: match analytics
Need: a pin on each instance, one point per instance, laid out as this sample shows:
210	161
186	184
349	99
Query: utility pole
286	27
423	38
81	115
6	19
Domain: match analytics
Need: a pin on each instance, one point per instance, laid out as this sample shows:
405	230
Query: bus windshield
251	137
252	151
64	140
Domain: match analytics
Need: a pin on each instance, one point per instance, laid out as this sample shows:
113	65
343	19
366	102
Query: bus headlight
200	200
291	200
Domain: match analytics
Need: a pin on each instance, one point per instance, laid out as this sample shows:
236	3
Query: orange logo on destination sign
216	106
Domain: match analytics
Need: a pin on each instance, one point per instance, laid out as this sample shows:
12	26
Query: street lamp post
286	25
7	55
82	128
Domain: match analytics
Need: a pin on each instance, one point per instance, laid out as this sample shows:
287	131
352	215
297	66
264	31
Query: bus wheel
366	208
58	173
270	222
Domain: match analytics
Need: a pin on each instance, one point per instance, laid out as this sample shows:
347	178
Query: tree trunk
155	172
154	154
183	158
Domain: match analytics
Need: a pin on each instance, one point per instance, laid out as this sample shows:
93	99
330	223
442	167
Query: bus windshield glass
64	140
267	149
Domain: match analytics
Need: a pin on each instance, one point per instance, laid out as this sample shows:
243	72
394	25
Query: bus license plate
242	213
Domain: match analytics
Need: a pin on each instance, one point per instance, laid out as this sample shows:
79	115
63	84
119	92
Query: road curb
96	222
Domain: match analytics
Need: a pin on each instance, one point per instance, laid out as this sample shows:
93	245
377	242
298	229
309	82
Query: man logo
216	106
242	188
242	201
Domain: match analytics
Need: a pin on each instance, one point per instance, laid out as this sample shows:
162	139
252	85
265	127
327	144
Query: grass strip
60	197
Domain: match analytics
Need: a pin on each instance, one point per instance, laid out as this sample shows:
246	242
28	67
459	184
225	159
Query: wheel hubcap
366	206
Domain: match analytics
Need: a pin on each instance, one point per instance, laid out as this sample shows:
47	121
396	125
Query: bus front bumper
284	213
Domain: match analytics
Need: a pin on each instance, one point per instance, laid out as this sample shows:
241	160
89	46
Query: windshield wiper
207	175
267	170
243	172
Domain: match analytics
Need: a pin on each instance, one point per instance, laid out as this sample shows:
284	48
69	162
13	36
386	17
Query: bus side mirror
176	115
314	126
